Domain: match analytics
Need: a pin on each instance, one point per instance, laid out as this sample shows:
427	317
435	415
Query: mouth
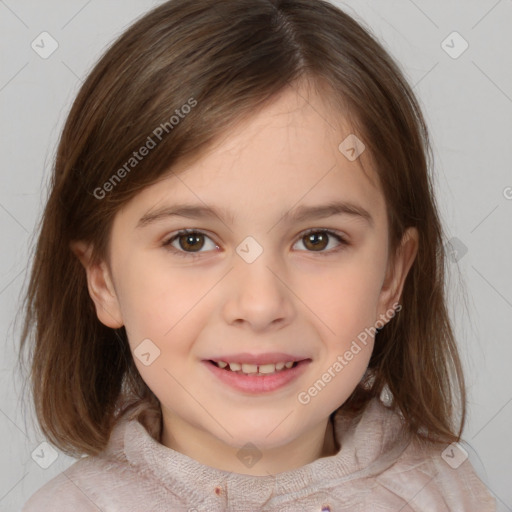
257	377
255	369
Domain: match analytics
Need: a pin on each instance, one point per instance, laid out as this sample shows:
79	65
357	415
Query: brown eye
317	241
191	241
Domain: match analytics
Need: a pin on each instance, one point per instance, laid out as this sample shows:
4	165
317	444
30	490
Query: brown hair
228	58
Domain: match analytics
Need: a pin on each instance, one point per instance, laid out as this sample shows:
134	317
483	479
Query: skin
293	298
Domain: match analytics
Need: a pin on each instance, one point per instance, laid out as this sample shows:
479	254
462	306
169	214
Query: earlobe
100	287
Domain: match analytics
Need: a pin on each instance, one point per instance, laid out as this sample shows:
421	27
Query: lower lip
258	384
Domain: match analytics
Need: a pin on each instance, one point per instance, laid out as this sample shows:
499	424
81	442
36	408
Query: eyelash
167	244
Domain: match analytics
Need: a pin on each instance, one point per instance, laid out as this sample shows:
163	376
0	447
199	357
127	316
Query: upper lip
258	359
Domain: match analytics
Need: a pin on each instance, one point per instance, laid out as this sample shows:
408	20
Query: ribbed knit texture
377	469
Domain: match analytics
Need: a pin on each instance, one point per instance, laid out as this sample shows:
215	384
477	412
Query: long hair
179	77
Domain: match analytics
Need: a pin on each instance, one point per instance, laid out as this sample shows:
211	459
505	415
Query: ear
397	271
100	286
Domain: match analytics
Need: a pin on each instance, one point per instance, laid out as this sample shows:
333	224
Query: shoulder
63	493
438	477
100	482
90	484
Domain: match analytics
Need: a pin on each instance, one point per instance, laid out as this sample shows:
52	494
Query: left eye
192	241
318	239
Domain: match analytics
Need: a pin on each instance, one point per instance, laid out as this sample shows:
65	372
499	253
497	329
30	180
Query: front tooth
221	364
249	368
267	368
234	367
279	366
289	364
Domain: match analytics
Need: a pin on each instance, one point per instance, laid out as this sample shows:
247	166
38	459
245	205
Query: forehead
286	154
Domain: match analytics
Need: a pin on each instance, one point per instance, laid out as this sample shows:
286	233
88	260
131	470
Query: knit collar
370	442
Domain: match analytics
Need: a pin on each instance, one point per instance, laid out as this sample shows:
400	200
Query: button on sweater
377	469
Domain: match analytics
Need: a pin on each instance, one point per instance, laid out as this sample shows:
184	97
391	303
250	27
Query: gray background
468	105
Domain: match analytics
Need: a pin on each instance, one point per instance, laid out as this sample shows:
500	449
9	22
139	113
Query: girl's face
248	279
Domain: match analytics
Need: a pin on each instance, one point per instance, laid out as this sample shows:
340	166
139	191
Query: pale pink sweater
374	471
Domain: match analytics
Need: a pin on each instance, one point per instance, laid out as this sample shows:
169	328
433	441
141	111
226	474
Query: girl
236	301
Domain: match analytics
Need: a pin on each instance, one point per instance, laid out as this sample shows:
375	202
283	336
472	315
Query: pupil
191	240
316	239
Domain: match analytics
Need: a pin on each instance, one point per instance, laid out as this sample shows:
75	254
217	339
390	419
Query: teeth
267	368
249	368
263	369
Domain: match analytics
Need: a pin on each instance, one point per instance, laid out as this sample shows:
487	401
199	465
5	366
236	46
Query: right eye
190	241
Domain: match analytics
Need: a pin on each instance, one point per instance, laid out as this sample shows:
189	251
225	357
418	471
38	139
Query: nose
257	295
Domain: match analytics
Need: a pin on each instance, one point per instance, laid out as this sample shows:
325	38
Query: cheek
162	309
345	296
154	297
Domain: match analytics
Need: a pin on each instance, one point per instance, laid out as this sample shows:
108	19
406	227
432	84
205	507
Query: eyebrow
298	214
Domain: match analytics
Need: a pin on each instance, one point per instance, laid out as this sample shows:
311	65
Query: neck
208	450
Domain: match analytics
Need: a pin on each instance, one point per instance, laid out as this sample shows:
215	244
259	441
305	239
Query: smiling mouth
253	369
